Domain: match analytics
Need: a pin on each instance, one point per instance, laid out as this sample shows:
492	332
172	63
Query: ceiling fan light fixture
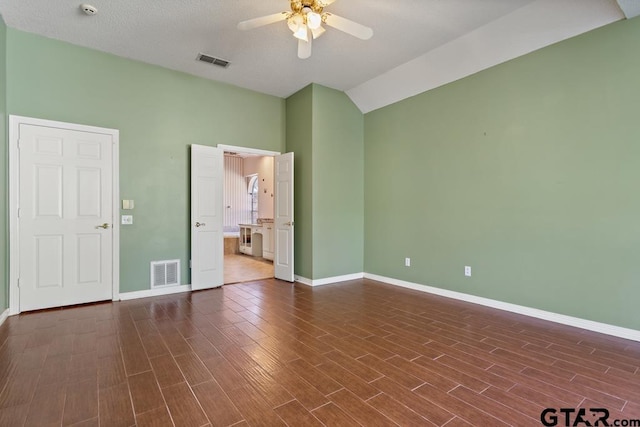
317	32
314	20
306	20
302	33
294	22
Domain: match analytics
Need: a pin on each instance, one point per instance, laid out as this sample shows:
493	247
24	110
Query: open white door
207	242
283	217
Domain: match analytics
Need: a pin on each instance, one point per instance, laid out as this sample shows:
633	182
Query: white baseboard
303	280
154	292
604	328
329	280
4	316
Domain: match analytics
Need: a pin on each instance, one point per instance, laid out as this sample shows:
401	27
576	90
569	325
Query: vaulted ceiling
417	44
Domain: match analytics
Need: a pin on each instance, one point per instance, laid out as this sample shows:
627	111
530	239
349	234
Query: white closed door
207	239
65	216
283	217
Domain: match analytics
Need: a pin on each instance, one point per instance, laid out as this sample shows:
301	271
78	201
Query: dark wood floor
271	353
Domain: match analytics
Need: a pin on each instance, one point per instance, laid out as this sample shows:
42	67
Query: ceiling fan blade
326	2
349	27
304	48
263	20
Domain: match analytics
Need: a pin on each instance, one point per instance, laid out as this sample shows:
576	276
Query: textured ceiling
170	33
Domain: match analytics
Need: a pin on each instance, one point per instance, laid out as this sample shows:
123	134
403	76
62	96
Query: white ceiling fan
305	22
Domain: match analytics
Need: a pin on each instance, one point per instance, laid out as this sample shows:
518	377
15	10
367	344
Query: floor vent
165	273
212	60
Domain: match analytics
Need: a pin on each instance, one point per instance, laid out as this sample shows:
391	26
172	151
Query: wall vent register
165	273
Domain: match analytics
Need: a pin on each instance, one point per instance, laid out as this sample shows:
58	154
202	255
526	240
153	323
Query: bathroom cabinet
268	243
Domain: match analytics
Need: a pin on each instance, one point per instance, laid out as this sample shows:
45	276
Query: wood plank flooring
270	353
244	268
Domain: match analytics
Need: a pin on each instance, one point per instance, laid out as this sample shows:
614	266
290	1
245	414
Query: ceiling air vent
211	60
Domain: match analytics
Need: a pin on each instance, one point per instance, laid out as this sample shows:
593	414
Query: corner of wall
4	180
299	141
338	184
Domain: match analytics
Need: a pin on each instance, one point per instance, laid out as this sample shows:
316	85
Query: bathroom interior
248	217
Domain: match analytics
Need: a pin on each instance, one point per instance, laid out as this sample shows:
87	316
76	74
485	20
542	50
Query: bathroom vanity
257	240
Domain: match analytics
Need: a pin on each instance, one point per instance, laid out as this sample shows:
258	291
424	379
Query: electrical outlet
127	219
407	262
467	271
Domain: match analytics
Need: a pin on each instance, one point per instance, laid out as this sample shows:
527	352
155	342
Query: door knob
290	223
200	224
104	226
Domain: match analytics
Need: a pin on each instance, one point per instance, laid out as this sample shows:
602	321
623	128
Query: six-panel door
65	217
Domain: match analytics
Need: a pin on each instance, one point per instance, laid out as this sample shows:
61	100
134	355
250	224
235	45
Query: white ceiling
170	33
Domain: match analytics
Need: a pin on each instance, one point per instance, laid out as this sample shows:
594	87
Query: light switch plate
127	204
127	219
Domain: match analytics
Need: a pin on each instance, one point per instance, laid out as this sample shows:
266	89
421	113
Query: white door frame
248	150
14	185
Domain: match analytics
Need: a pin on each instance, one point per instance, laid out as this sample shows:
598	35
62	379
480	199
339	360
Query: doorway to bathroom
208	211
250	232
248	217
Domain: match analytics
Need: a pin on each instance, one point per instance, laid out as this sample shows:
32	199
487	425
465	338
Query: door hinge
18	212
18	282
190	264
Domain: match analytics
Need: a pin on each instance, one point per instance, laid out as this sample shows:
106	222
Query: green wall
325	130
527	172
299	141
4	171
159	113
338	184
